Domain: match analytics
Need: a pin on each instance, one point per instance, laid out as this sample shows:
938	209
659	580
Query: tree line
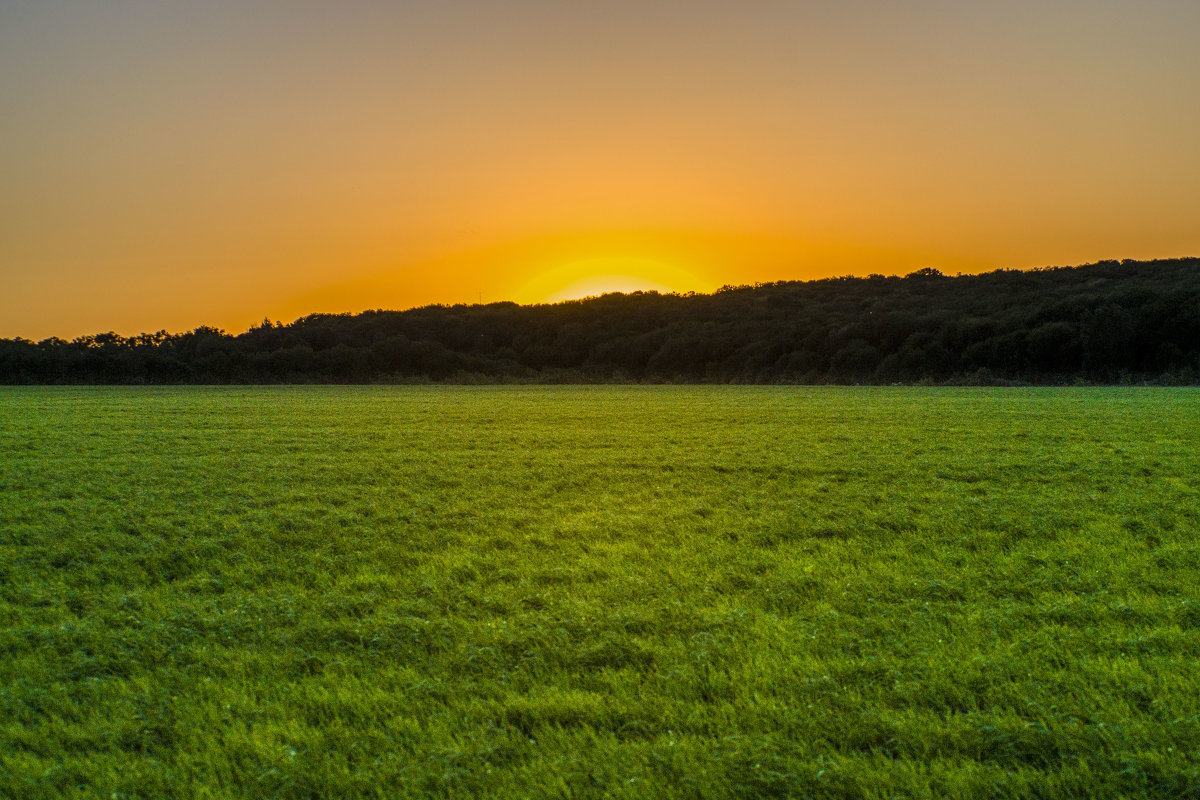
1109	322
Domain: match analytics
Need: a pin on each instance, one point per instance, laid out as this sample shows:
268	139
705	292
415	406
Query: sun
597	285
591	277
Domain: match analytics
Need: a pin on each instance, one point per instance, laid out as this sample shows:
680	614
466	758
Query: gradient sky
169	164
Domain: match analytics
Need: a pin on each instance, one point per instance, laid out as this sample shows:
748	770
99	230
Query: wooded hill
1110	322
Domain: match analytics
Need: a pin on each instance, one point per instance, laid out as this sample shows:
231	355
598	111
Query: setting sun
596	276
598	285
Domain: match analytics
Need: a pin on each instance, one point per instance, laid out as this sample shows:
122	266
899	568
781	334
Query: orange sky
167	165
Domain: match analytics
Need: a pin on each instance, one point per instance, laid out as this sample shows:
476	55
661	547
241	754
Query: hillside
1110	322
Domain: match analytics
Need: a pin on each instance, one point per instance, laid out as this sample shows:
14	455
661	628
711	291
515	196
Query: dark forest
1106	323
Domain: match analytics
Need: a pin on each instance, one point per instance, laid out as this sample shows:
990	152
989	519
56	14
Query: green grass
586	592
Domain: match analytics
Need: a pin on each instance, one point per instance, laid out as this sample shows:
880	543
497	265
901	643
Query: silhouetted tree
1106	322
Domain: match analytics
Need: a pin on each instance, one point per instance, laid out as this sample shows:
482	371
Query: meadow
693	592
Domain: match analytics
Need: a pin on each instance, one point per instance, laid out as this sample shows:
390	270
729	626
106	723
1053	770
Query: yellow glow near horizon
598	285
176	164
596	276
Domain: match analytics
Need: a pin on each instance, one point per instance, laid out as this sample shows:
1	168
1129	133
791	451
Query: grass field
586	592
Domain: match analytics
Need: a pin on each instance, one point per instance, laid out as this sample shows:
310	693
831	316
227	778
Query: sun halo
594	277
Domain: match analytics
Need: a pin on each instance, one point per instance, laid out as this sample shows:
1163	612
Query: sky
166	164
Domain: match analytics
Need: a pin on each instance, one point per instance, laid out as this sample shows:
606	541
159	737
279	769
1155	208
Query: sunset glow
598	285
168	166
598	276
